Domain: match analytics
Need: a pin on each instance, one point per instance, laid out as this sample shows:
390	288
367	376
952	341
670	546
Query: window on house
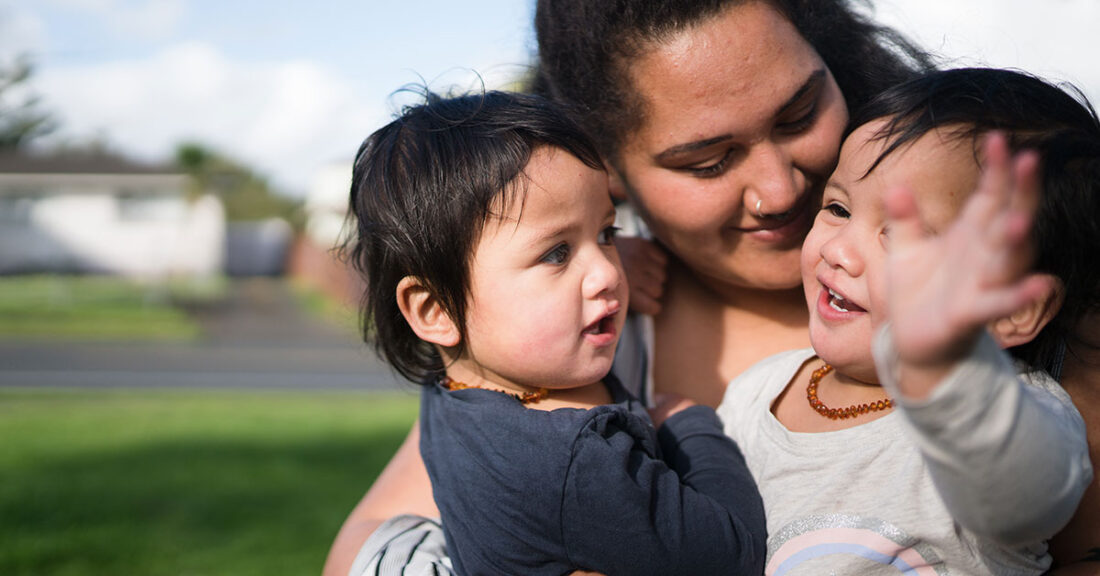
16	209
135	207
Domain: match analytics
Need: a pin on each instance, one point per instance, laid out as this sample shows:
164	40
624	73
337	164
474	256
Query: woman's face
742	124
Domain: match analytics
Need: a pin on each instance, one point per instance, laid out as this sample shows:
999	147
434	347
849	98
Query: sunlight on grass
100	307
185	482
326	308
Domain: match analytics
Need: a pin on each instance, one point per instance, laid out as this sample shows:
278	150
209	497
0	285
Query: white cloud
21	32
283	118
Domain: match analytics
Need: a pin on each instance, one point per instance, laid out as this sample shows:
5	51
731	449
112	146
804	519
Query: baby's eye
607	235
836	210
558	255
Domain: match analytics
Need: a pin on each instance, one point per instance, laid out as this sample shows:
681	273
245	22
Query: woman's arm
1076	549
402	488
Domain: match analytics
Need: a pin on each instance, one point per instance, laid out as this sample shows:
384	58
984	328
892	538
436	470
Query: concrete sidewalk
258	337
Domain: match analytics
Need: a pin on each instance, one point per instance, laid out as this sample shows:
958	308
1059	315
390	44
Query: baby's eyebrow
833	184
611	214
542	236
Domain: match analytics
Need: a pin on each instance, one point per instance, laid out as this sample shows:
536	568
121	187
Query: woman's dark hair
423	187
586	46
1061	126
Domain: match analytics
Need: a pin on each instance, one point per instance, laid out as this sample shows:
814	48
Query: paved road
257	338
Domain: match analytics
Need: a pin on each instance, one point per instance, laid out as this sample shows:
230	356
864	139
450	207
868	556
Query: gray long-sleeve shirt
970	481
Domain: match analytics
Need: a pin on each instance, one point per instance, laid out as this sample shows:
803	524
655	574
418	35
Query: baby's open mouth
840	304
601	326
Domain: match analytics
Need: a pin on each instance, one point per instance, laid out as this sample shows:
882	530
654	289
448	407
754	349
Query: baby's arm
1009	460
695	512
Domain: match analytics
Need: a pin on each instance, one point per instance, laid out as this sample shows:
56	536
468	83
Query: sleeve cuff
975	382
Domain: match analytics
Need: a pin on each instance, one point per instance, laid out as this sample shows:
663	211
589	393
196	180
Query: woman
720	121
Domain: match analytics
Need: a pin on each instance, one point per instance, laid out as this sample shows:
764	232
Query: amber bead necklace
839	413
525	398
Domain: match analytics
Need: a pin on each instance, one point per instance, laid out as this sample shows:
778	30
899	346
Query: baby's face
844	255
548	297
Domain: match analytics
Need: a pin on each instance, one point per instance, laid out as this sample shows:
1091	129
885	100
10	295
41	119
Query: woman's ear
1026	323
615	184
424	313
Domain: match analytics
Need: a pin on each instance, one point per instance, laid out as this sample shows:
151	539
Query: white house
98	213
326	205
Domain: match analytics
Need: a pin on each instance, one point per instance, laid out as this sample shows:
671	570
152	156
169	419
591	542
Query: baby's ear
615	184
424	313
1026	323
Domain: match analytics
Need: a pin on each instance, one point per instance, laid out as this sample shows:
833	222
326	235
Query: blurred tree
21	117
245	194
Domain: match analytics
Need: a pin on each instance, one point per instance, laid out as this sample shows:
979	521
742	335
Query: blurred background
182	386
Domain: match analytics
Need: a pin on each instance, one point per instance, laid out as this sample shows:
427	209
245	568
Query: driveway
257	338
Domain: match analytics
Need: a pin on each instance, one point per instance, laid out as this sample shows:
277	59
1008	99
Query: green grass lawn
80	307
173	482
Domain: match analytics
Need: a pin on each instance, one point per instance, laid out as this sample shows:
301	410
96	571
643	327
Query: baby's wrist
920	375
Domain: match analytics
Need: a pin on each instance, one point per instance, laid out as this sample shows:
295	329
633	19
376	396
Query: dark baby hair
1037	115
423	187
585	48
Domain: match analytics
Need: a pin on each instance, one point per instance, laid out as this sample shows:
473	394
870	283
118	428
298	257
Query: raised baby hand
944	289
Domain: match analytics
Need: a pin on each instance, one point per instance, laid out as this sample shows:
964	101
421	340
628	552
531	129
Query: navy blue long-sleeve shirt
524	491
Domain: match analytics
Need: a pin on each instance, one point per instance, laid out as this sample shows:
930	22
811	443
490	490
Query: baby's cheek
547	329
878	296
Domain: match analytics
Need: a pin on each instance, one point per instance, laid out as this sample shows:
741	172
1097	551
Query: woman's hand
944	289
645	265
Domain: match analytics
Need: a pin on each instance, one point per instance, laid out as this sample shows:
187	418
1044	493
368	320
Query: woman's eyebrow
691	147
812	82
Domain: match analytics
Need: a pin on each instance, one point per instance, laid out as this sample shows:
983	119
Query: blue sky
288	86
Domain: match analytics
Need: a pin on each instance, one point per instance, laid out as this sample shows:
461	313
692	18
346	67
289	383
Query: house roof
102	163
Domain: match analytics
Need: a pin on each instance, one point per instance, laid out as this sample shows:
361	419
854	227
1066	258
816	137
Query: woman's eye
801	123
558	255
711	169
607	235
836	210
